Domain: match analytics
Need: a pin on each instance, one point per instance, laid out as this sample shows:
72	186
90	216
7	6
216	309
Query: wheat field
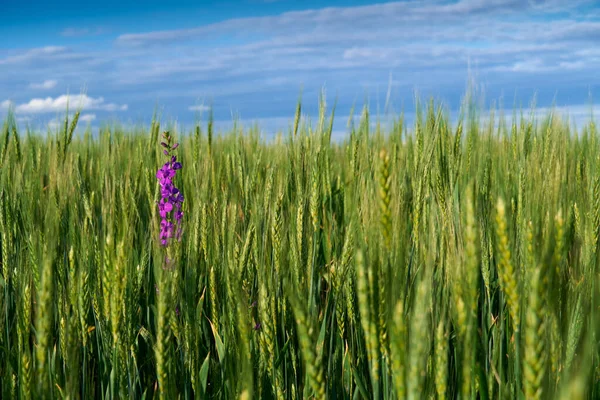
440	260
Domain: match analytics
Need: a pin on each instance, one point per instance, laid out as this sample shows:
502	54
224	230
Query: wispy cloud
47	84
199	108
57	121
33	54
79	32
404	36
257	65
391	20
87	117
60	103
578	113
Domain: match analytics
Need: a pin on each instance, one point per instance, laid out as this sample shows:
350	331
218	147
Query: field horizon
575	115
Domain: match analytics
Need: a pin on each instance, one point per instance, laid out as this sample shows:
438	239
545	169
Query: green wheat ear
44	319
441	360
419	338
506	271
385	198
312	363
398	340
534	368
368	320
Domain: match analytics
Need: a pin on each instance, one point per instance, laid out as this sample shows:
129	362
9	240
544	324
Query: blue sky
251	58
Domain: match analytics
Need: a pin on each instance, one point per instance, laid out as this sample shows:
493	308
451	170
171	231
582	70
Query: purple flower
165	174
176	198
169	206
178	215
164	208
166	225
165	191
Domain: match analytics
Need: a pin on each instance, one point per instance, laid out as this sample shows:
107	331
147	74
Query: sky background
251	59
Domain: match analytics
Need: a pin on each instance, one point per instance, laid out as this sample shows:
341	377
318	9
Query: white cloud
33	54
572	64
391	35
276	81
74	32
199	108
47	84
391	21
54	123
528	66
5	104
60	103
59	121
577	112
365	53
512	43
78	32
87	117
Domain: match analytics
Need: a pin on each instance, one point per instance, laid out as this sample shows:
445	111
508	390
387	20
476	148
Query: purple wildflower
169	207
165	174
